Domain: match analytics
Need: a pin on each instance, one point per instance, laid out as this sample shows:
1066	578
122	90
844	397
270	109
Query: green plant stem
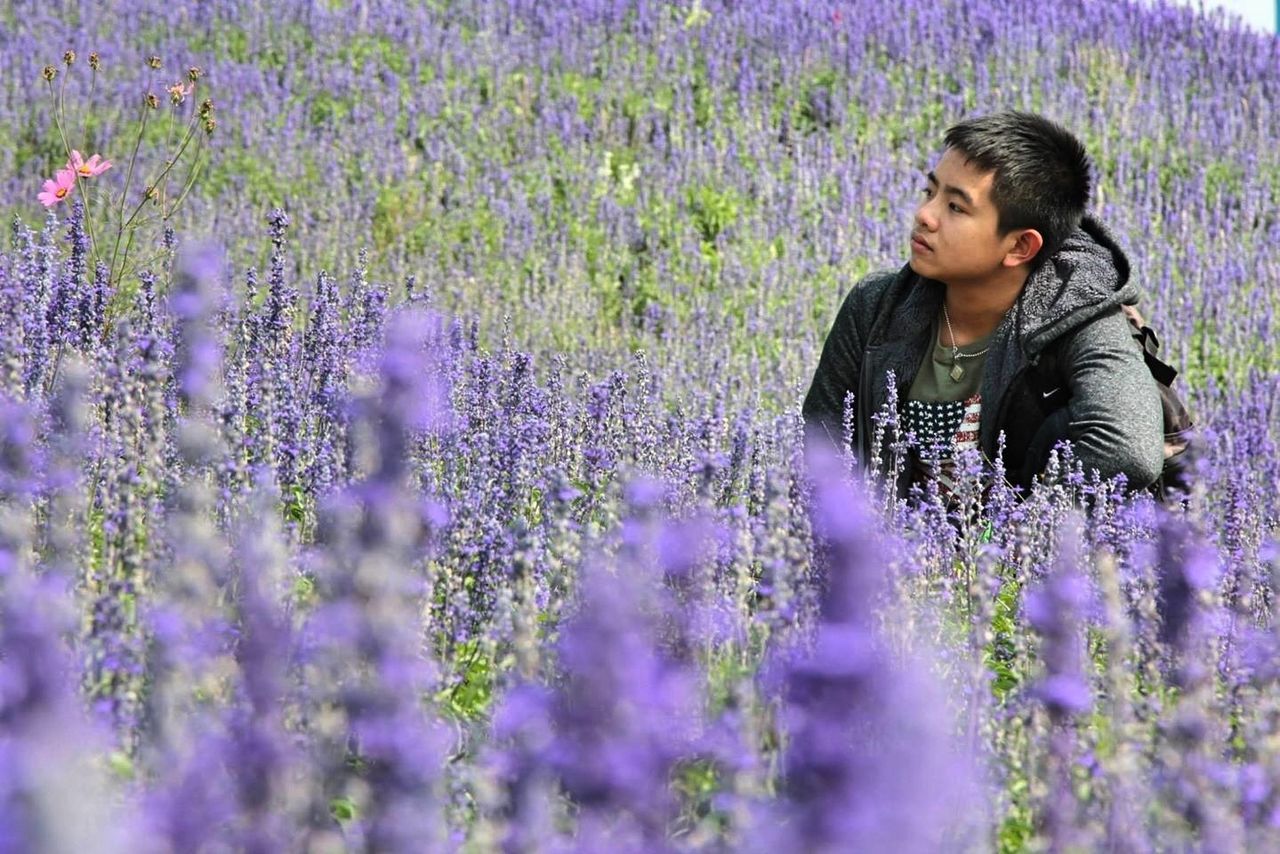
190	180
93	87
168	142
57	363
125	272
125	258
128	181
186	140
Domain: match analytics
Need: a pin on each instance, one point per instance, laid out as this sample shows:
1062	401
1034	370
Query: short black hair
1042	172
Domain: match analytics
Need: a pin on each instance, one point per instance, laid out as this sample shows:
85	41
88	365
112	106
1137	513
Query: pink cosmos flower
57	188
91	168
178	92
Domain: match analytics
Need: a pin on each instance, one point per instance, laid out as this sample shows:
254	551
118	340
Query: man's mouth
917	243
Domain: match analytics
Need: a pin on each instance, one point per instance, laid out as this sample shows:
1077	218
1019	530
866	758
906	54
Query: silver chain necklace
957	372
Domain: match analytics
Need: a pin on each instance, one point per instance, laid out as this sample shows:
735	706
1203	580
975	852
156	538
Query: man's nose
924	219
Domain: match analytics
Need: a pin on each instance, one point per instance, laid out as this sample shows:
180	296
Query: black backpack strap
1164	373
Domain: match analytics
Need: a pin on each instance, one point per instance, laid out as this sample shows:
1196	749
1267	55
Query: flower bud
206	108
153	62
209	125
68	58
94	62
49	73
152	193
194	73
152	101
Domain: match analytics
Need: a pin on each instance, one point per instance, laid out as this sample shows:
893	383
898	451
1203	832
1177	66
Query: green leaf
343	810
471	696
120	765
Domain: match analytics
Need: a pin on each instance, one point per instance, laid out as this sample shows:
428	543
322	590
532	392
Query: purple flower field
432	478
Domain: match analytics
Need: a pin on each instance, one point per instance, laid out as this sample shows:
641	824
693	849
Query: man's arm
1115	421
837	372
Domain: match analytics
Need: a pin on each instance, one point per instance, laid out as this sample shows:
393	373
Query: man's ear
1025	248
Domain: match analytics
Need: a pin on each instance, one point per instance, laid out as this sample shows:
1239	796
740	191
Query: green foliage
696	779
343	810
227	40
714	209
583	89
695	783
400	214
702	95
31	145
96	519
999	655
1223	178
620	173
730	667
471	695
821	85
252	178
1018	827
303	593
121	765
366	53
328	108
297	503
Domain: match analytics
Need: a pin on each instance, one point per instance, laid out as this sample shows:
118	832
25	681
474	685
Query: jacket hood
1086	277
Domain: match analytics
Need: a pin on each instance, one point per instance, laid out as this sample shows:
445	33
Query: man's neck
975	309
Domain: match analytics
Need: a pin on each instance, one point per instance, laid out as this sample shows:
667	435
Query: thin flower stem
125	258
189	181
163	174
93	87
133	269
115	297
168	144
53	375
142	264
124	194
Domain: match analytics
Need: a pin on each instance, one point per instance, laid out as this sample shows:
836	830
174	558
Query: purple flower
611	729
1055	610
51	796
1186	566
193	302
867	740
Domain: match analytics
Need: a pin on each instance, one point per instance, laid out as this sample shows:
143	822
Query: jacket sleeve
1115	420
837	371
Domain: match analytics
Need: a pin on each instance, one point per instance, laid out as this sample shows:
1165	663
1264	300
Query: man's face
956	220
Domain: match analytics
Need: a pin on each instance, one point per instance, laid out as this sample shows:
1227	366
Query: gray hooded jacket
1104	400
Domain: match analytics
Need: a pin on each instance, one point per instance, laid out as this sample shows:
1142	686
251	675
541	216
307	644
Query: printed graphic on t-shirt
943	428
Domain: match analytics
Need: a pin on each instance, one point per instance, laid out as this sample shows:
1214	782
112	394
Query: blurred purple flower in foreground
52	797
613	727
868	764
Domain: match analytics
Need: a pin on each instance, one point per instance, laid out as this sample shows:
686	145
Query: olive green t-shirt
942	411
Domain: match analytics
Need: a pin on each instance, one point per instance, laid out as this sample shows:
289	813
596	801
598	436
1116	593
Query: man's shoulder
1107	329
866	292
877	281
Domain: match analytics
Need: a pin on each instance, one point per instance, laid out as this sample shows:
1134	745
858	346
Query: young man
1005	267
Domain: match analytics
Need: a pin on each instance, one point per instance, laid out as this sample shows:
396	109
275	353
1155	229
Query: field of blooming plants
400	444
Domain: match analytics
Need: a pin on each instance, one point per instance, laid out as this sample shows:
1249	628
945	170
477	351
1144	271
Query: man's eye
953	206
